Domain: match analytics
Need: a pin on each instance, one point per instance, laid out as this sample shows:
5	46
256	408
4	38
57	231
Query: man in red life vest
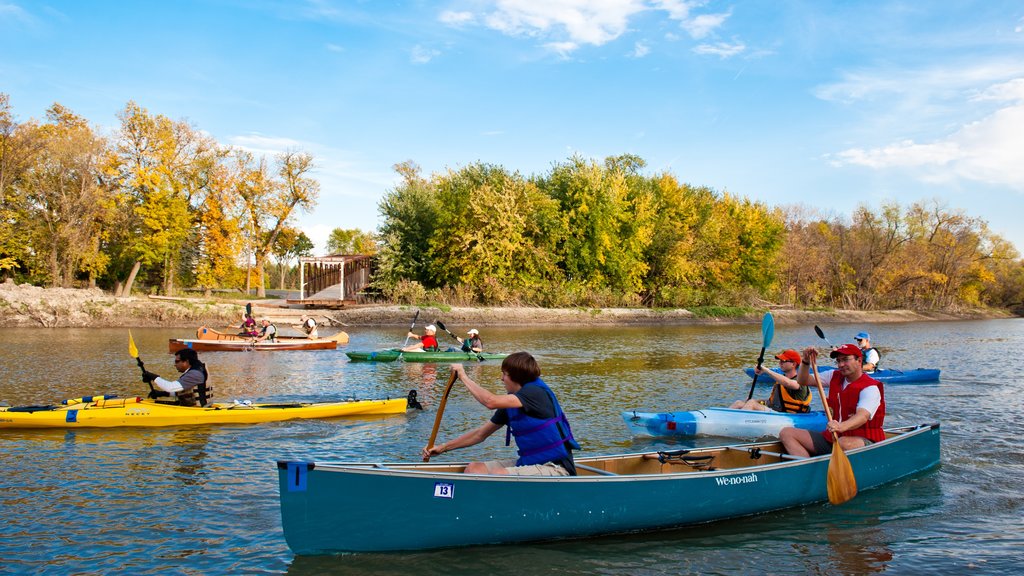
857	402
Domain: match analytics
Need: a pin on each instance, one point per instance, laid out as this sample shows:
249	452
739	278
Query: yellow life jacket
782	400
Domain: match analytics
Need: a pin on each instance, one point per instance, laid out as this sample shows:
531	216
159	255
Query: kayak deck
110	412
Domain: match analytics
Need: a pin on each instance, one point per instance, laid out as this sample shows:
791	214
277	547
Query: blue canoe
884	375
726	422
338	507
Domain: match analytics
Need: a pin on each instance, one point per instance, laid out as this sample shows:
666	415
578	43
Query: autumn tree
68	206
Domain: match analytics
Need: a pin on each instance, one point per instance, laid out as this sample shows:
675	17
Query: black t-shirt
538	404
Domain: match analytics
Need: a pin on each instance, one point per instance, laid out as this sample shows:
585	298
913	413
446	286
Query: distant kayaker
472	343
871	355
191	387
533	416
788	395
248	327
427	342
309	327
857	402
268	333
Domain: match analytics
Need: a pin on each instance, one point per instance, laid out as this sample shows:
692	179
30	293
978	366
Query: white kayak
726	422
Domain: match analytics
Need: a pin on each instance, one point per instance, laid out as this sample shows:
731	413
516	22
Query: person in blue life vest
533	416
871	355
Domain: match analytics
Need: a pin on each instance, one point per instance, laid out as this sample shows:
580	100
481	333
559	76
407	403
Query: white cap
430	328
473	331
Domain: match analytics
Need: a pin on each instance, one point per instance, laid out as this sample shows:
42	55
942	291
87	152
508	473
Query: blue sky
828	104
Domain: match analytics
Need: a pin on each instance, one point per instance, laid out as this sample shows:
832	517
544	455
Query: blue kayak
885	376
726	422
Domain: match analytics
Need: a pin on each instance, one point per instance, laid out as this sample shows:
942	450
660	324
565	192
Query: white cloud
703	25
334	47
594	22
990	150
268	145
422	55
721	49
640	50
456	18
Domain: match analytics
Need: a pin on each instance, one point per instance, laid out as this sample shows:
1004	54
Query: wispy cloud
566	25
422	54
721	49
456	18
989	149
640	50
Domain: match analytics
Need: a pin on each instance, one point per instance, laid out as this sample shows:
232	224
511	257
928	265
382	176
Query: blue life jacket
537	439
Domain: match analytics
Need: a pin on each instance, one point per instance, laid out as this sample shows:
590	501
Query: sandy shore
31	306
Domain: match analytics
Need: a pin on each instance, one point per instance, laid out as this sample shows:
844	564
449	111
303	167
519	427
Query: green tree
409	216
291	244
351	241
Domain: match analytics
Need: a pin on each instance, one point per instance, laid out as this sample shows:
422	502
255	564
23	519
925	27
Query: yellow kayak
109	412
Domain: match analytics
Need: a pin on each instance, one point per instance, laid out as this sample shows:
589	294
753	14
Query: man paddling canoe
533	415
857	402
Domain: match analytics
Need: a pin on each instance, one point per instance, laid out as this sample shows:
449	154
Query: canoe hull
885	376
139	412
175	344
394	354
725	422
339	507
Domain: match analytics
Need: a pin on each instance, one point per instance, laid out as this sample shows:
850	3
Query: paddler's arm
804	377
486	397
468	439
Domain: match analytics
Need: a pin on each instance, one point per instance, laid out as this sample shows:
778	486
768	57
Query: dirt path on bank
31	306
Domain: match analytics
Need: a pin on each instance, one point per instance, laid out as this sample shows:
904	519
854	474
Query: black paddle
411	326
767	333
822	336
441	325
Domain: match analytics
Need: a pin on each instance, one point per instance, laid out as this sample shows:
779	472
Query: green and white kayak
394	354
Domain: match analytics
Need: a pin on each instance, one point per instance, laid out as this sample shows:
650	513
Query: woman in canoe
308	326
472	343
857	402
533	415
190	387
788	395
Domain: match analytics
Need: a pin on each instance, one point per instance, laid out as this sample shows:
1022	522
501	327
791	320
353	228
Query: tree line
158	201
593	233
161	203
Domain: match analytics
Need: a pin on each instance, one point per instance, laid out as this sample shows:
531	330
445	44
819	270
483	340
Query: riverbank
31	306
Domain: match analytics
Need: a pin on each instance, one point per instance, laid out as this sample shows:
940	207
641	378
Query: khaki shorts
546	469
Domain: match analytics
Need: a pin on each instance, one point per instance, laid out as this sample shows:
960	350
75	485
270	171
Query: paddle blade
132	350
842	484
340	337
767	329
819	332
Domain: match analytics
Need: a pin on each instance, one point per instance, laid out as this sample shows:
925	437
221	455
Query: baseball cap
790	355
473	331
862	336
847	350
430	328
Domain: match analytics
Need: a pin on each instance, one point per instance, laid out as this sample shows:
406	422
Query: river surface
203	500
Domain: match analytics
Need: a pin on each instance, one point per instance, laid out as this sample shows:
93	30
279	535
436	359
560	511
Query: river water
203	500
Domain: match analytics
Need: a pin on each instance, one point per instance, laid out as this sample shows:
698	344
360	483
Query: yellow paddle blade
132	350
842	484
340	337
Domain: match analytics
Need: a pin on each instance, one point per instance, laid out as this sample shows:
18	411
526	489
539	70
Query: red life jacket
843	404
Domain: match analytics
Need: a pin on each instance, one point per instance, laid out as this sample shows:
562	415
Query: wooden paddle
841	483
767	333
440	412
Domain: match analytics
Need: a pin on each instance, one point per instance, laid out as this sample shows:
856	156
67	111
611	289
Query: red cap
847	350
791	355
